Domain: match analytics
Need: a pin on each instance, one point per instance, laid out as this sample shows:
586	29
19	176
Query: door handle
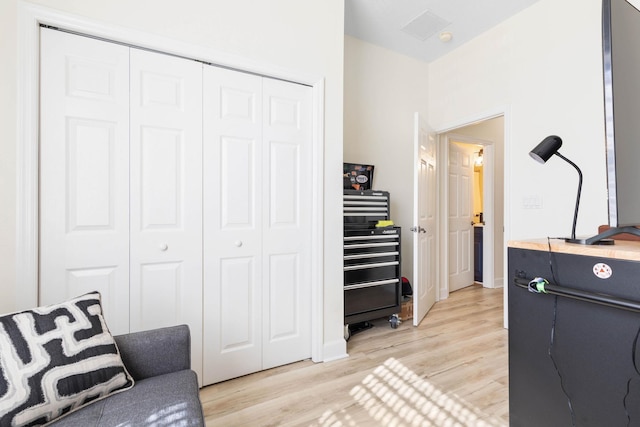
418	229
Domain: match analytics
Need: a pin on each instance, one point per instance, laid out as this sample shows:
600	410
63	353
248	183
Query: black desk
571	361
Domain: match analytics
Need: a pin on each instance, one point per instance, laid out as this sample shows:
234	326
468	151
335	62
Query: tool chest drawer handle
364	198
371	265
370	255
351	203
370	284
371	237
370	245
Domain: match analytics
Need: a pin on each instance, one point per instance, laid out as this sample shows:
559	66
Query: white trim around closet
30	18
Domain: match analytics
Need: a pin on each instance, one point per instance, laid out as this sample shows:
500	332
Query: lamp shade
547	148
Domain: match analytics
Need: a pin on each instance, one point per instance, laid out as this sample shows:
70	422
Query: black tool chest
372	278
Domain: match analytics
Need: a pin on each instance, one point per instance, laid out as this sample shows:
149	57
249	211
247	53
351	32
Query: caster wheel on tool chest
394	321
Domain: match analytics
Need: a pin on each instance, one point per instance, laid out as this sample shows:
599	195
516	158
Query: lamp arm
575	215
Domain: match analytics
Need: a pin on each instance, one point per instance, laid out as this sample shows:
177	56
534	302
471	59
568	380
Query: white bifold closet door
257	208
121	182
174	187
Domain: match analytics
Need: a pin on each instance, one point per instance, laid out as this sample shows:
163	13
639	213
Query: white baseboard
334	350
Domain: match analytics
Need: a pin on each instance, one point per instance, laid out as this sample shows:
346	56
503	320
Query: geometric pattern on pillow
56	359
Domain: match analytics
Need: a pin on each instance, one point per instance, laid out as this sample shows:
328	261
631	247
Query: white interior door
424	238
232	230
84	172
166	194
286	259
460	217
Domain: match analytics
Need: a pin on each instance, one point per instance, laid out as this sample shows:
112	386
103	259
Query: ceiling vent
425	25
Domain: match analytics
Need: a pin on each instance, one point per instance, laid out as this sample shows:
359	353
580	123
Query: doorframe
505	112
30	18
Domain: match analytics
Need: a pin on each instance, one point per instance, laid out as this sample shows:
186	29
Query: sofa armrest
155	352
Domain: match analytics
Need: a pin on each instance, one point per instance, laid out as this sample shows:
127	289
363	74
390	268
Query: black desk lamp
543	152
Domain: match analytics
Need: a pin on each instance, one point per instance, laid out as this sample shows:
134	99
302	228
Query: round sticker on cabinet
361	179
602	270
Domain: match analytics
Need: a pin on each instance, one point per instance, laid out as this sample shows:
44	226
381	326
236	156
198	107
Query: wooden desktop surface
622	249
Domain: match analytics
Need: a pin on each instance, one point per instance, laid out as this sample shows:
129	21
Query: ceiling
413	27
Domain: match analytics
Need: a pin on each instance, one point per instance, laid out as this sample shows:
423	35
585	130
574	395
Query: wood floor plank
451	370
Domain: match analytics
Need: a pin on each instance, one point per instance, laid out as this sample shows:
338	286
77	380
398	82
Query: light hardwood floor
452	370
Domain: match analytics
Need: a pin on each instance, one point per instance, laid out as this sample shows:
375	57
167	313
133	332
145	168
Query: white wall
382	91
543	66
299	37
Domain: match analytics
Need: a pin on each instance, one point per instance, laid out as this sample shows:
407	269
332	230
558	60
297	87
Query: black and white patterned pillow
55	359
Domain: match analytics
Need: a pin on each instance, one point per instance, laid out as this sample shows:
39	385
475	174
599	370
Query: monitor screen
621	62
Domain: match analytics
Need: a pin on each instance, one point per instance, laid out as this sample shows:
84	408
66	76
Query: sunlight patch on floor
393	395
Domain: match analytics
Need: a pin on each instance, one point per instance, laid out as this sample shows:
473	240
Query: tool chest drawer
368	297
363	209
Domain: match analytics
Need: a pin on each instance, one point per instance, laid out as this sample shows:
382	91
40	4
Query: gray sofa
166	389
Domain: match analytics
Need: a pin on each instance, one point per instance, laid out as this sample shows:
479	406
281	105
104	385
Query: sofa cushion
55	359
163	400
156	351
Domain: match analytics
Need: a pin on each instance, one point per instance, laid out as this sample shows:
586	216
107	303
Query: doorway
486	135
465	213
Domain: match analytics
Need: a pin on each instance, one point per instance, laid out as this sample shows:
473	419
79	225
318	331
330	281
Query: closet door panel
84	172
237	342
284	274
90	172
237	331
238	184
166	194
160	293
162	170
232	224
286	217
284	203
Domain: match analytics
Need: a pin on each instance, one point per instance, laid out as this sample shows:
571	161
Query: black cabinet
477	254
574	356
